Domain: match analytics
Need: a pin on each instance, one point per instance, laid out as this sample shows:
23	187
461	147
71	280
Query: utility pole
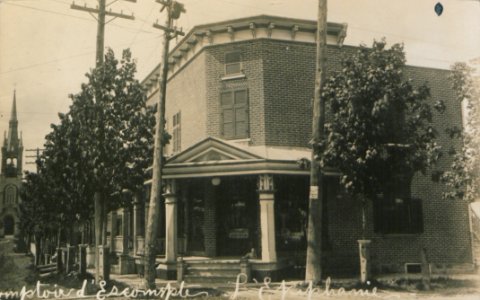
174	9
99	201
36	156
313	270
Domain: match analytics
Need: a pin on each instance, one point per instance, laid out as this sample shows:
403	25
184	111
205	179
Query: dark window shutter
241	114
226	99
234	107
228	124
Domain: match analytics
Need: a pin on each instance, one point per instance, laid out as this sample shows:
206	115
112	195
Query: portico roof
217	157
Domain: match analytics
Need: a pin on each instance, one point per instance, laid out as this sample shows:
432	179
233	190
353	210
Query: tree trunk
59	236
364	218
98	231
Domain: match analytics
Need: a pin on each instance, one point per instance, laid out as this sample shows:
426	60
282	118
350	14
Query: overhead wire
71	16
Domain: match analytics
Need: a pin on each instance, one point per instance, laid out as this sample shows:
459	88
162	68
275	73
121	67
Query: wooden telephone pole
101	273
174	9
314	232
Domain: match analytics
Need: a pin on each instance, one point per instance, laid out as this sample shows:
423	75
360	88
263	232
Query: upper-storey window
176	131
233	63
234	105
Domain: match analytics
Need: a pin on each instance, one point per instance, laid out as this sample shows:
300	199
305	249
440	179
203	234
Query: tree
380	131
100	148
37	219
463	177
115	134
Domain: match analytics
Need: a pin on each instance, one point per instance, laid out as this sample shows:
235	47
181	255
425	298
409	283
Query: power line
71	16
143	24
63	59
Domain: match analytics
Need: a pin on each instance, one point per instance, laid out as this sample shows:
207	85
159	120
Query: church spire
12	150
12	142
13	115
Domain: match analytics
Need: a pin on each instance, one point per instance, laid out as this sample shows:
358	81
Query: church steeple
13	142
12	149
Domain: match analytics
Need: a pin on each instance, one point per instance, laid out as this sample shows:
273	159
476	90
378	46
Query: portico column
125	233
267	217
113	230
170	221
136	223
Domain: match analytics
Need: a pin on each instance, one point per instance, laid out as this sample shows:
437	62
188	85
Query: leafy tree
101	147
40	214
463	177
380	132
112	134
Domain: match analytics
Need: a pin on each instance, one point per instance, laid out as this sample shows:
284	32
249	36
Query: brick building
239	110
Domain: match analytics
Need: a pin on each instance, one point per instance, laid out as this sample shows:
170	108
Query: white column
136	221
170	221
113	230
125	227
267	217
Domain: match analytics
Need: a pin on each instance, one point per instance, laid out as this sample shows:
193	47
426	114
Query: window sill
244	141
233	76
239	140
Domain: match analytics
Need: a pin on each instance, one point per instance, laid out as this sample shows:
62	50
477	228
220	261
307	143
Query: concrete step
218	272
213	262
213	266
43	275
209	279
212	270
46	268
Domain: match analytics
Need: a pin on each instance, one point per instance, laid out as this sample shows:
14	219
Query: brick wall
252	65
446	227
279	76
186	92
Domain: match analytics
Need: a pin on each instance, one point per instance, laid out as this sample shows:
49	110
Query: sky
46	48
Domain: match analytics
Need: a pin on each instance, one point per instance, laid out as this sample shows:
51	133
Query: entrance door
195	217
9	225
237	212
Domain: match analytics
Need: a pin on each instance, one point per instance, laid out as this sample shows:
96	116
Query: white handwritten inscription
285	291
43	292
265	291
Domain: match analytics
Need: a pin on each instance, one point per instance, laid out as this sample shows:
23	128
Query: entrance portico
220	202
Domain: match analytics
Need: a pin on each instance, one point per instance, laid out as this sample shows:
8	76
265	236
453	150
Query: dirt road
14	267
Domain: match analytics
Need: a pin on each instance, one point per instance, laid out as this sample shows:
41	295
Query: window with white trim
233	63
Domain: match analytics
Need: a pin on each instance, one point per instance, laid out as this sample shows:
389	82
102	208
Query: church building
11	177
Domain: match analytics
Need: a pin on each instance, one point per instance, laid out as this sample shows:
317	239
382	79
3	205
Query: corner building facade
239	108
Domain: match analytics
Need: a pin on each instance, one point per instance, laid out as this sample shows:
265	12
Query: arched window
10	194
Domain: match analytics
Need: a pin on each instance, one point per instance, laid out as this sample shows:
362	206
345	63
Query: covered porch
231	207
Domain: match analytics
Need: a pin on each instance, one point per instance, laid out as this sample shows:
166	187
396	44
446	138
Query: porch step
213	262
217	266
212	271
210	279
